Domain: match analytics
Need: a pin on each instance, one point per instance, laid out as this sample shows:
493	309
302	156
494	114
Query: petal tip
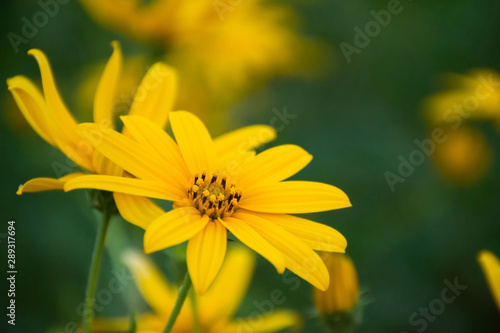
36	53
482	255
200	290
321	287
147	250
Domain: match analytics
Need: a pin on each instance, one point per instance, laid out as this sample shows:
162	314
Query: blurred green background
355	120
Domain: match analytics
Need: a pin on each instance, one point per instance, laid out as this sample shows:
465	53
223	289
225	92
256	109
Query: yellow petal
274	165
294	197
205	254
156	94
251	238
32	105
105	93
132	186
137	210
46	184
103	166
155	289
299	258
117	324
244	139
129	155
172	228
194	141
316	235
147	133
40	185
147	323
491	269
219	309
52	96
270	322
233	163
63	130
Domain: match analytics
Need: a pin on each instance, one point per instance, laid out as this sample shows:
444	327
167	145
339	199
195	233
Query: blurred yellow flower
221	48
491	269
464	157
49	117
466	97
219	187
215	309
343	293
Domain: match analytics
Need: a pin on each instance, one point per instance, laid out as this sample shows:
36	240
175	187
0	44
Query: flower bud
343	293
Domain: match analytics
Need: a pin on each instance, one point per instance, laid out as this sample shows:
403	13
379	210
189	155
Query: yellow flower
491	268
465	157
219	187
472	96
220	48
49	117
343	293
215	309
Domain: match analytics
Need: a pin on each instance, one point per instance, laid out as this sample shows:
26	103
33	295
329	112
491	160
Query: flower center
214	195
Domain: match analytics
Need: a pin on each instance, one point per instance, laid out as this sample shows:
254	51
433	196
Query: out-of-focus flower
220	48
464	157
49	117
475	96
491	269
215	309
218	188
336	304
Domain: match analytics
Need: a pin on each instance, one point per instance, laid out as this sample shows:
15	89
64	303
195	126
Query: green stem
183	292
94	272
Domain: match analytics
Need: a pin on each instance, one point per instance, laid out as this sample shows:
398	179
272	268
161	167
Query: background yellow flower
464	156
222	49
214	311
